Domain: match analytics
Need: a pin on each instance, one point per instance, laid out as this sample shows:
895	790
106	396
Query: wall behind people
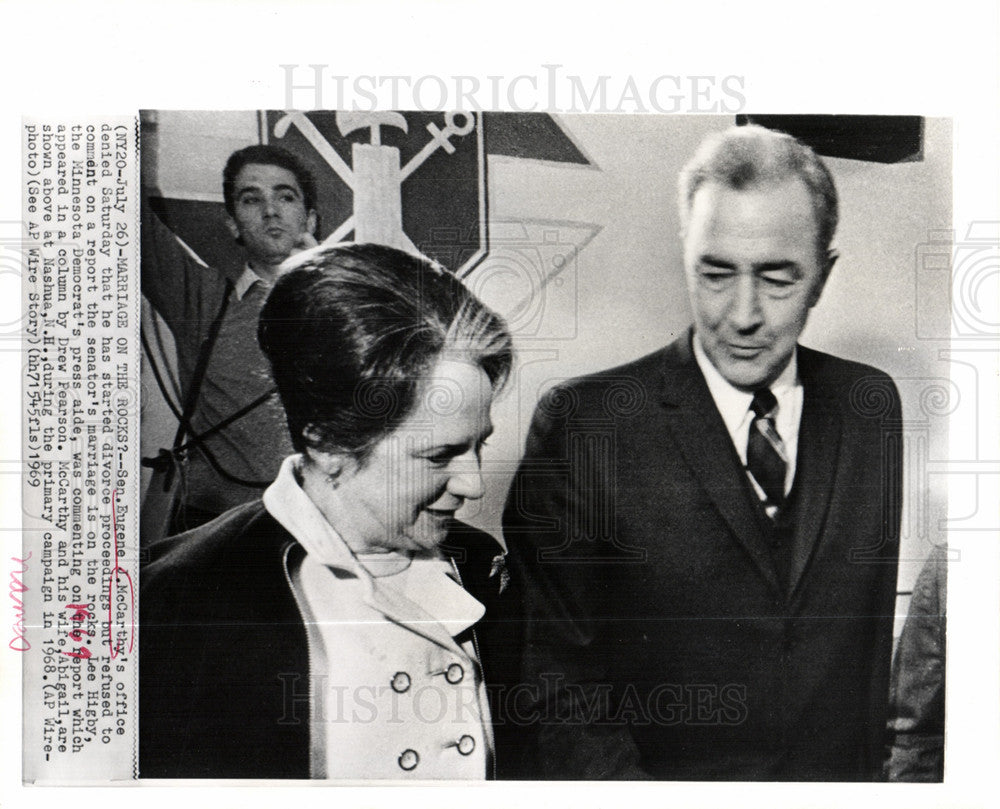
606	237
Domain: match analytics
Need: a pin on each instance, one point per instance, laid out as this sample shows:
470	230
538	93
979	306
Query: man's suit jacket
224	679
660	639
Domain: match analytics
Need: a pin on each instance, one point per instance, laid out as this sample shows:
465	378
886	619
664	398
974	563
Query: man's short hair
352	332
745	157
267	155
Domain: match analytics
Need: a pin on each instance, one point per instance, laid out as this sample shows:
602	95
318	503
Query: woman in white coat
346	625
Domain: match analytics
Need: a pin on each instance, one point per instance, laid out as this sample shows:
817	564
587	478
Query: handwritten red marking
82	613
113	583
18	643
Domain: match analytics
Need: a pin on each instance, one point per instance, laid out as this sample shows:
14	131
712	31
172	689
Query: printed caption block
80	432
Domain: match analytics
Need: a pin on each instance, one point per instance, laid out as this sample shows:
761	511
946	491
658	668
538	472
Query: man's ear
311	220
830	259
234	229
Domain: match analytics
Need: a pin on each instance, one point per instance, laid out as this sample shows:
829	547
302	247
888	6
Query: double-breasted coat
225	687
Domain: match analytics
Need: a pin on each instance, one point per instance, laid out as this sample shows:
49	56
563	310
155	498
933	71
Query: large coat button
466	745
454	673
408	760
400	682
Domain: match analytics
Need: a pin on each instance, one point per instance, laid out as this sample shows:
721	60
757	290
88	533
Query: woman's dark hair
352	331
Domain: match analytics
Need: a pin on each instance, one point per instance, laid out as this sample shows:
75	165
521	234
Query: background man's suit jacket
660	638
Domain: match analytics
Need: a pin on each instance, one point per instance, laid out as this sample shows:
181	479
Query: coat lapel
399	609
707	448
816	463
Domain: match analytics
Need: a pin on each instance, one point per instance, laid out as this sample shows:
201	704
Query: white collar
246	280
425	581
431	583
732	403
291	506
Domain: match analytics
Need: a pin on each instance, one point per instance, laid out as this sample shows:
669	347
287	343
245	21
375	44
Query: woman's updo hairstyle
351	332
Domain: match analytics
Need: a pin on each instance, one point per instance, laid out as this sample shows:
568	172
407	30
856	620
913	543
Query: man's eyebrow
774	266
718	263
763	266
257	189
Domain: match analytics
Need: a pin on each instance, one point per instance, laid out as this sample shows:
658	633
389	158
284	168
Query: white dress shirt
734	407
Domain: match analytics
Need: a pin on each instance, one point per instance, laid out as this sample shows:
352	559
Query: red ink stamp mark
18	643
118	611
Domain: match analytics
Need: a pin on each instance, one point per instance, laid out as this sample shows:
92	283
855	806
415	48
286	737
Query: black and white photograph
541	447
510	404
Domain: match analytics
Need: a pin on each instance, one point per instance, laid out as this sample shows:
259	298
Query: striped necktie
767	460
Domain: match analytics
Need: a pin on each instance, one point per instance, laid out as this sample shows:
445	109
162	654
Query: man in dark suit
707	537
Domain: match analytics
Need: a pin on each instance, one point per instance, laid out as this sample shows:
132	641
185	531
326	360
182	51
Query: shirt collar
429	582
291	507
732	403
246	280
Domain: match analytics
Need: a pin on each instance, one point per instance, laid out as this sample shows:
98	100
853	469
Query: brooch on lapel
499	567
